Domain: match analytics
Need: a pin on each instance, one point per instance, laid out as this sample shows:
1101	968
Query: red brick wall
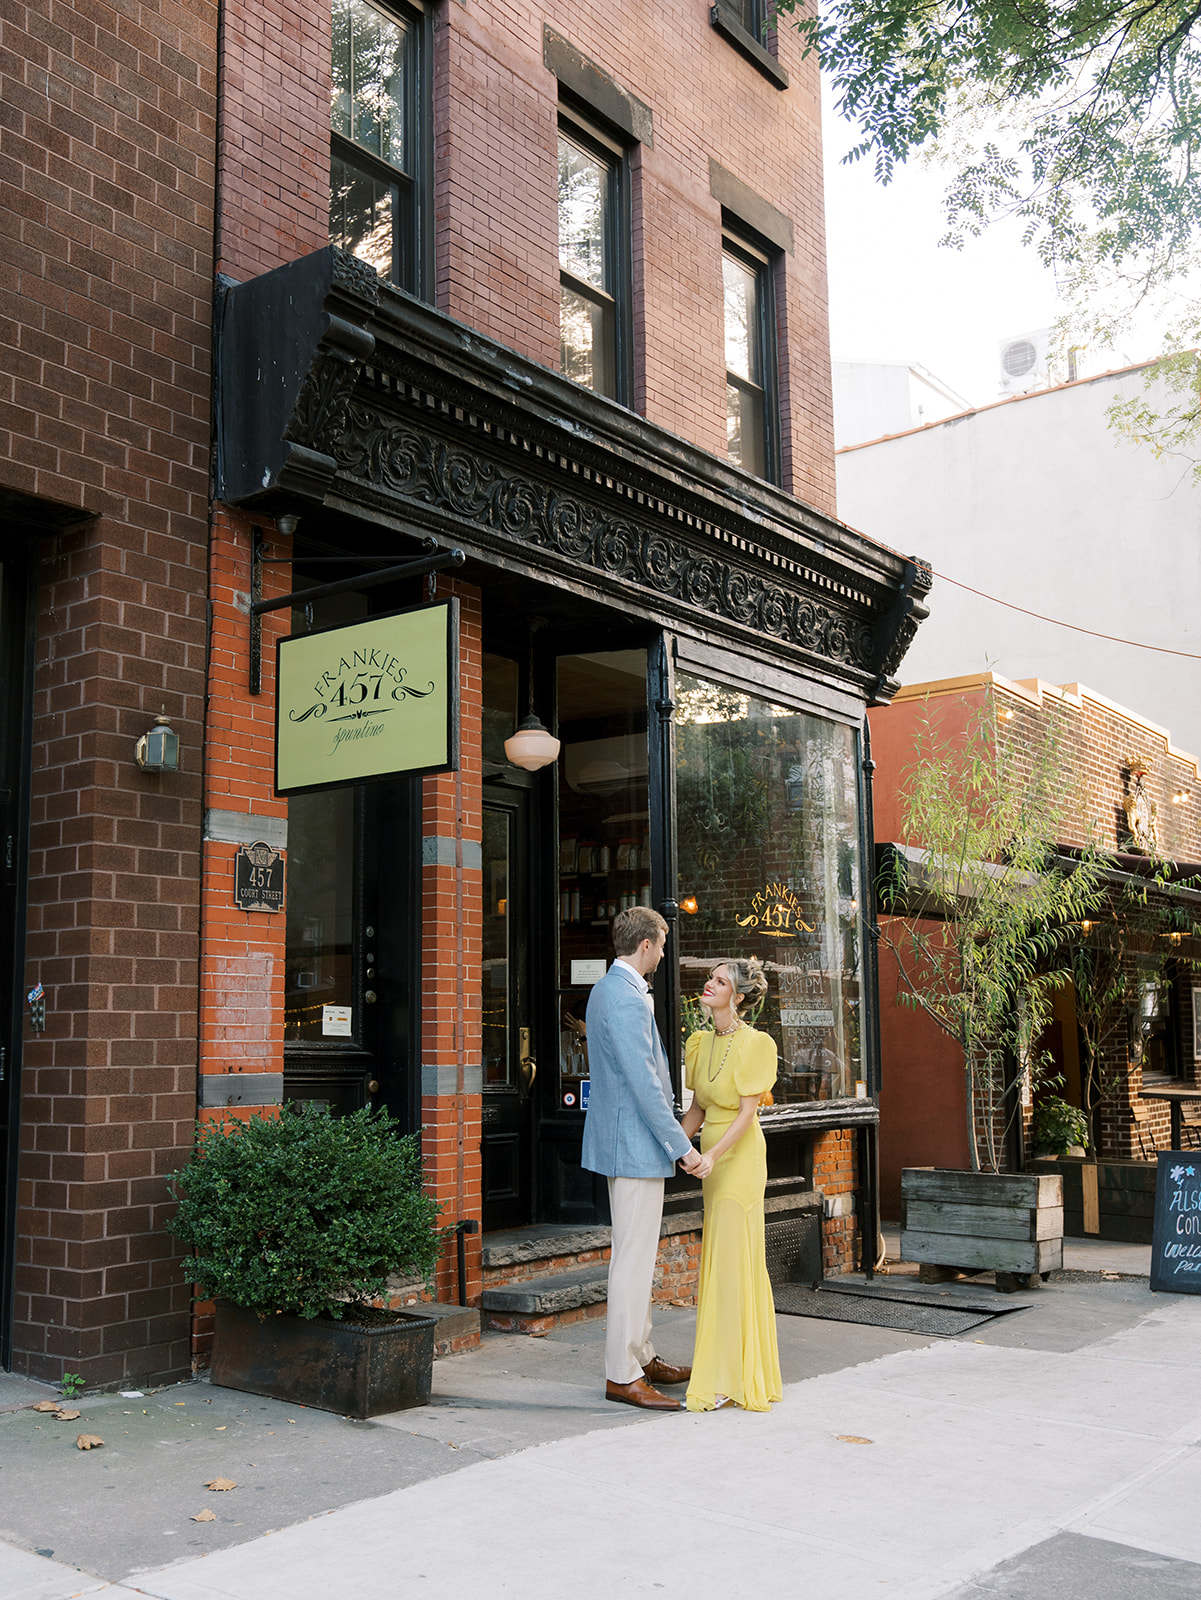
497	223
495	180
242	956
451	951
105	254
274	147
835	1173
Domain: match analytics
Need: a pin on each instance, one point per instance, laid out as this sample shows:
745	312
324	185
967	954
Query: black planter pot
333	1366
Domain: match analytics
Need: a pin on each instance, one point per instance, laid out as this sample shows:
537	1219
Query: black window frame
762	259
412	235
603	145
743	24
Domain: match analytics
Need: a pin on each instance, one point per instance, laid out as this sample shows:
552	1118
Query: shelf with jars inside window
602	876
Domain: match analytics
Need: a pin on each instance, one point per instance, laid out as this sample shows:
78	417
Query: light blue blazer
630	1130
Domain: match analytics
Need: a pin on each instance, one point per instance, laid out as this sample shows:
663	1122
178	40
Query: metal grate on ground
906	1313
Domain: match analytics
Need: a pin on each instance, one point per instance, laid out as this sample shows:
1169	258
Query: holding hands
696	1164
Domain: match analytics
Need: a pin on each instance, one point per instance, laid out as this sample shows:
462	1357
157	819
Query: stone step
542	1242
550	1295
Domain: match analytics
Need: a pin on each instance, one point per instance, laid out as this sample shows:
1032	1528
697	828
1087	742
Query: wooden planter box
983	1221
333	1366
1125	1198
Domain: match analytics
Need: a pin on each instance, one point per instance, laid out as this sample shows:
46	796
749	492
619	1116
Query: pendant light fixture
532	746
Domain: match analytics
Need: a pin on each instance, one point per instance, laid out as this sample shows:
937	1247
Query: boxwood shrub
304	1212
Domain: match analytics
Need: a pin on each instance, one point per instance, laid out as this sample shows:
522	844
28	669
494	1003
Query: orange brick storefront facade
620	534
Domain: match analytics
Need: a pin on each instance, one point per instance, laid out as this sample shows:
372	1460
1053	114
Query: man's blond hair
633	925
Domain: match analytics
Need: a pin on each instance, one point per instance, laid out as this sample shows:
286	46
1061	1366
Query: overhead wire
1135	644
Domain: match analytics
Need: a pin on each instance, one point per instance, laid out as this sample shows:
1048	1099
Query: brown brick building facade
136	198
1110	754
107	148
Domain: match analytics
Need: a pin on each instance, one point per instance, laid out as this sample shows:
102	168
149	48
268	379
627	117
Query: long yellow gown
736	1352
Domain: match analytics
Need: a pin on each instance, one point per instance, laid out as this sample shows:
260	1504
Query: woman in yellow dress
729	1070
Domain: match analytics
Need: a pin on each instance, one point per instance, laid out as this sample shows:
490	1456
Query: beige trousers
637	1208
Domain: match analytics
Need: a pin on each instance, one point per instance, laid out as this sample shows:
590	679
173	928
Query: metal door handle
527	1067
529	1072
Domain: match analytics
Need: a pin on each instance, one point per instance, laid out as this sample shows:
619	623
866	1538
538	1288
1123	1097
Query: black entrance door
510	1047
351	989
15	676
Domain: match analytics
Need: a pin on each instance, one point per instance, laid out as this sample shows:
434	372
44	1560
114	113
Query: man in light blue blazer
632	1137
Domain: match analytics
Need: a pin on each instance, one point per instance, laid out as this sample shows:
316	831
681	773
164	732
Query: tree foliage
980	946
304	1212
1080	117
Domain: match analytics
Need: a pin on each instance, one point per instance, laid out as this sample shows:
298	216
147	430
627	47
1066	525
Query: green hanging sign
368	700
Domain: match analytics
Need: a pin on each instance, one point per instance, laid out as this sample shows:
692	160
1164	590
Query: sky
896	295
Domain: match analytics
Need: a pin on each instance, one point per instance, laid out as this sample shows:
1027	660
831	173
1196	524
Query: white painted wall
1038	502
872	398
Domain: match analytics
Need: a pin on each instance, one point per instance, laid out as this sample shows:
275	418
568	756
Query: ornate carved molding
335	388
417	466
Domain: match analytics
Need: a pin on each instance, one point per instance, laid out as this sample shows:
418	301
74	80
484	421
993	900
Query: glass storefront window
767	806
604	831
500	705
498	1068
320	879
319	969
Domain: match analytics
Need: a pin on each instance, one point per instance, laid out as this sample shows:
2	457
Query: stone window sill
727	24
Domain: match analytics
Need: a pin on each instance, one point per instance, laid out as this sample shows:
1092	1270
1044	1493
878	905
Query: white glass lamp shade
158	750
532	746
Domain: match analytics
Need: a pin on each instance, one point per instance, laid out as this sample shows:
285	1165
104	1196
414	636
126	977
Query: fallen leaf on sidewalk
221	1483
205	1516
47	1405
853	1438
67	1416
88	1441
220	1428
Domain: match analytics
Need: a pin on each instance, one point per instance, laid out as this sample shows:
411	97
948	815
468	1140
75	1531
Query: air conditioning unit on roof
1025	362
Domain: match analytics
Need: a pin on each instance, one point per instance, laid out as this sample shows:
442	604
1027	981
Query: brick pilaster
451	952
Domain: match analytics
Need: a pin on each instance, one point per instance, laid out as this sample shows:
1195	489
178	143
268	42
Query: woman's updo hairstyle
748	978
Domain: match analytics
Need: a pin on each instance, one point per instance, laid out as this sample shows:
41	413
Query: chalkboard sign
1176	1244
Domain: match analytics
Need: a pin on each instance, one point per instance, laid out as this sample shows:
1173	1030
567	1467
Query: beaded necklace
713	1074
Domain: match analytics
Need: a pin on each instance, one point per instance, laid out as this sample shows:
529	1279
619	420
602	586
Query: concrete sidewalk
1053	1452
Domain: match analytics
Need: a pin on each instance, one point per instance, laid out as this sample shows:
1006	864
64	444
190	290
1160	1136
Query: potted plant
297	1221
975	910
1058	1129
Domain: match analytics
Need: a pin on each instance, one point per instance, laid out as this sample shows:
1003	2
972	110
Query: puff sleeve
692	1050
755	1068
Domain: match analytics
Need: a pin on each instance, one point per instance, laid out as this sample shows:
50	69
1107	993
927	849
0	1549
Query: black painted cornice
336	389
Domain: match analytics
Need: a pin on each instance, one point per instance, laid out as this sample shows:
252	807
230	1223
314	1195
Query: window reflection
768	838
370	65
746	400
604	831
584	343
320	908
495	964
583	198
362	214
587	307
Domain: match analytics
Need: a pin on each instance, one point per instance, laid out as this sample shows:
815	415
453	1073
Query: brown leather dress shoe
639	1393
657	1371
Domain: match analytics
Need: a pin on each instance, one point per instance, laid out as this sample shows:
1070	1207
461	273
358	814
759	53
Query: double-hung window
377	138
752	411
593	261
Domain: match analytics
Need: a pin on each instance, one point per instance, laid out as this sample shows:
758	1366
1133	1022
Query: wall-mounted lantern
158	750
